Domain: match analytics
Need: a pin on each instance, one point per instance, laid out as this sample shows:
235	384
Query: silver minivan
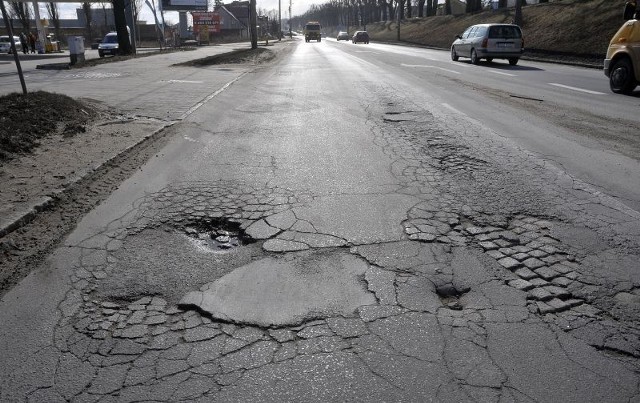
489	41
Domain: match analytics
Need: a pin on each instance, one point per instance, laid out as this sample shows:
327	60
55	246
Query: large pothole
217	235
286	290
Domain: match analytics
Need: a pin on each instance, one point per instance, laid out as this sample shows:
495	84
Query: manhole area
218	236
450	295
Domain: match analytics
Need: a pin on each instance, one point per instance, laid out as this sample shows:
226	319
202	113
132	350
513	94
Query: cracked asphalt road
379	248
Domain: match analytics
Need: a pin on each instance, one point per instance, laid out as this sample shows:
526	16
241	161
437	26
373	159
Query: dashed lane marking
503	74
184	82
577	89
430	67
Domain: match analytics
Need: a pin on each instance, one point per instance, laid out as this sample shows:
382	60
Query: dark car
360	36
342	36
489	41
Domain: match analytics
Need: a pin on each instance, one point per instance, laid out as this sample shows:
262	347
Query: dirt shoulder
67	159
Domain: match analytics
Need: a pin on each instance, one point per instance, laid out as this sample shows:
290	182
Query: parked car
360	36
5	43
342	36
622	63
109	45
489	41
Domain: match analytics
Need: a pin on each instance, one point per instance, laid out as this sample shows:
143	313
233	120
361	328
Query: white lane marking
504	74
210	97
430	67
184	82
577	89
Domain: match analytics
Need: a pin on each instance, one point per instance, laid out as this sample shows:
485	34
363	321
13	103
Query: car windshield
313	26
110	39
504	32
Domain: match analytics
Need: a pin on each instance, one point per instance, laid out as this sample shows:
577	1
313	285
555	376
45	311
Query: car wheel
100	54
489	59
474	57
513	61
454	55
621	78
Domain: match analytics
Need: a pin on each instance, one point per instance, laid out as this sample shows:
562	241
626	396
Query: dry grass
578	27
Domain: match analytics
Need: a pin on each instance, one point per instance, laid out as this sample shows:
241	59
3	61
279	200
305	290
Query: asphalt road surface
349	223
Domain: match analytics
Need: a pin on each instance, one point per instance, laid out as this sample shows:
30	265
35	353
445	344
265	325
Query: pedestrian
32	42
630	8
24	42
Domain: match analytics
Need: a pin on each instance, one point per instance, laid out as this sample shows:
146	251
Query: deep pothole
450	295
217	235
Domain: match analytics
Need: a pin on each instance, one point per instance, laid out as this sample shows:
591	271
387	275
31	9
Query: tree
86	7
253	24
21	11
447	7
409	8
518	16
502	3
54	16
421	8
124	43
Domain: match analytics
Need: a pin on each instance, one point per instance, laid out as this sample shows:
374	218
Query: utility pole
279	20
7	24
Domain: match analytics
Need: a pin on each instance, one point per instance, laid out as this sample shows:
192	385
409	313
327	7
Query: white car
5	43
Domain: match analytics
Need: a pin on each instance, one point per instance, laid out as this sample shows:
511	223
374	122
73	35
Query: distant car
342	36
5	43
489	41
109	45
360	36
622	63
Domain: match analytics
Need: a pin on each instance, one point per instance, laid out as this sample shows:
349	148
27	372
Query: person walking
32	42
24	42
630	8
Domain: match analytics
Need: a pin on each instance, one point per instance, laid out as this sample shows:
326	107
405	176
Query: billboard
184	5
206	22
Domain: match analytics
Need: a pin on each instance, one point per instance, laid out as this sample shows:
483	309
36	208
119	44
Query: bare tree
421	8
86	7
409	9
22	12
447	7
124	43
54	16
518	16
502	3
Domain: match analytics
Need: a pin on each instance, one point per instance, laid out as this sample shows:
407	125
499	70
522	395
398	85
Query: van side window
465	34
482	31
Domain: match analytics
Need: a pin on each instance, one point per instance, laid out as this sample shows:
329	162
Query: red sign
203	21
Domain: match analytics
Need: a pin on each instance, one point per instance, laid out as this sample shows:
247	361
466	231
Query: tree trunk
409	9
447	7
54	15
421	8
502	3
253	24
21	10
86	7
124	42
518	16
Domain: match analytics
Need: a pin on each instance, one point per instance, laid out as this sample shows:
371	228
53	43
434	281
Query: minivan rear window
505	32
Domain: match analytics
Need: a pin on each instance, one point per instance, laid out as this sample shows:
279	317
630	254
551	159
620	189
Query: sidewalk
32	182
